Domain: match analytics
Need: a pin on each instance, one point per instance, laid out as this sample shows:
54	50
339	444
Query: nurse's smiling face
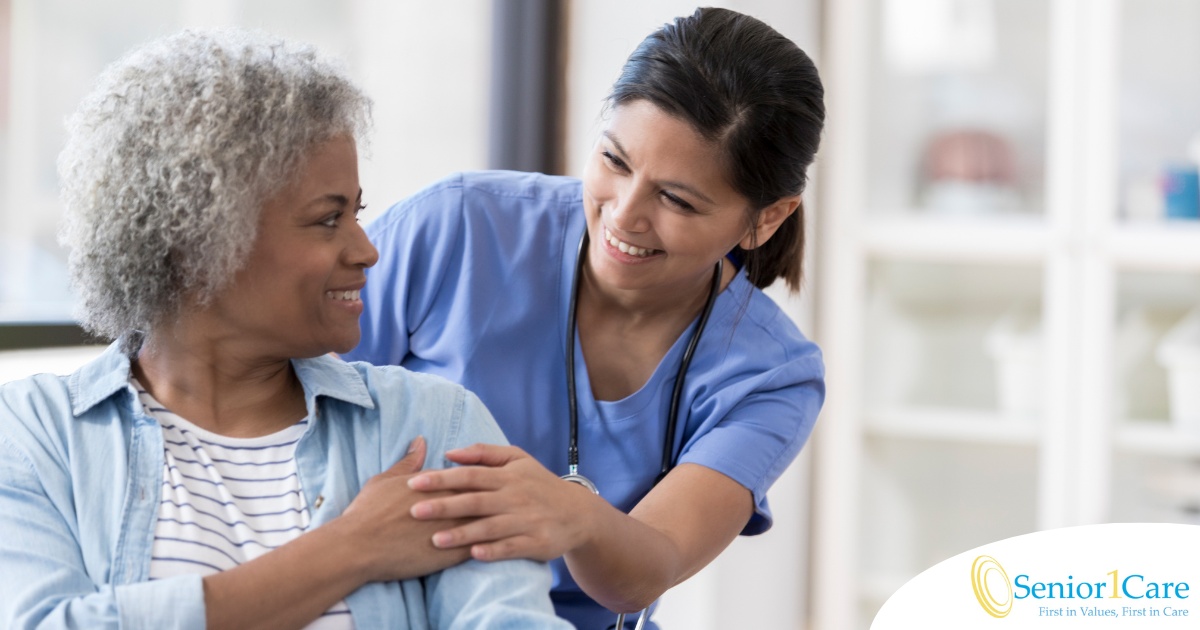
660	210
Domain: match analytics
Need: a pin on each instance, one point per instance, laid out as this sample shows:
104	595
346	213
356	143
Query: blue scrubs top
473	284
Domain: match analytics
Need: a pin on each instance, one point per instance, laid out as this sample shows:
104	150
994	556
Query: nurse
692	191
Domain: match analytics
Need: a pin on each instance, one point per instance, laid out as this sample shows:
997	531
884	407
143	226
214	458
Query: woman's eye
331	220
358	212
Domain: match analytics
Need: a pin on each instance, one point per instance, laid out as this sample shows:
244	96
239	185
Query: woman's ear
769	220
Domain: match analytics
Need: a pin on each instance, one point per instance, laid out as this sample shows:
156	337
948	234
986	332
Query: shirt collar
329	376
107	374
99	379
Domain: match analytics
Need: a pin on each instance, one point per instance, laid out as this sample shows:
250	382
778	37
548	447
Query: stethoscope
668	454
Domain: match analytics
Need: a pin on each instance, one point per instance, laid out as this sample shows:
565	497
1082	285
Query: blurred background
1004	271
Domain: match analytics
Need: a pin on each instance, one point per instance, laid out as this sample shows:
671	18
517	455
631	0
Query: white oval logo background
982	588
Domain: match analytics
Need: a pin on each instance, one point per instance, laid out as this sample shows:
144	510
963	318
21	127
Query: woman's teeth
626	248
342	295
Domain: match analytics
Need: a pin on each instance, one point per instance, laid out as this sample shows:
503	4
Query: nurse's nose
630	213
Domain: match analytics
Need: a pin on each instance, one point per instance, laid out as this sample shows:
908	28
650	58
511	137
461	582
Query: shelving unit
911	236
991	349
1157	247
1155	438
965	426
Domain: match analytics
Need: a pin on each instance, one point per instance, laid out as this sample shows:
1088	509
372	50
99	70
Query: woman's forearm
375	539
288	587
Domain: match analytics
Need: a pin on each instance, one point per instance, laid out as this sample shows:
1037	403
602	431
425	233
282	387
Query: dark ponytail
741	84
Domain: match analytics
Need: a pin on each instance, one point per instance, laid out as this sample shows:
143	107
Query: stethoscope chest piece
581	480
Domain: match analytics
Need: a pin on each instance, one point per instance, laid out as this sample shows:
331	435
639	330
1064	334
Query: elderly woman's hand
517	508
392	544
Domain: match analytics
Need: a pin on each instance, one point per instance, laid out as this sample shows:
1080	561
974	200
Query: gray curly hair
169	160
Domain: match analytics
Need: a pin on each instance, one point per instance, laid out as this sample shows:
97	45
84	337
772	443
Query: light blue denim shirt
80	475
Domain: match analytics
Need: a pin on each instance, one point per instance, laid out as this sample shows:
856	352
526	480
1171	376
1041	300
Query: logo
996	593
992	587
1123	572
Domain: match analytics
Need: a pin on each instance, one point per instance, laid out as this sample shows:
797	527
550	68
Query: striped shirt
227	500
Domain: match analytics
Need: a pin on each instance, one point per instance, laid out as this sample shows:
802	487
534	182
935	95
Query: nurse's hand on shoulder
381	531
520	509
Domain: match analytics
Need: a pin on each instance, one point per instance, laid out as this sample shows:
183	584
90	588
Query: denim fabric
80	476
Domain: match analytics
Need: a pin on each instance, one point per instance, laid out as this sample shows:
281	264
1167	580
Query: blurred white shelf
911	235
951	425
18	364
36	312
1165	246
1155	437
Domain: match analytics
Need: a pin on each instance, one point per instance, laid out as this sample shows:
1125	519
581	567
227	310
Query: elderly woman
214	467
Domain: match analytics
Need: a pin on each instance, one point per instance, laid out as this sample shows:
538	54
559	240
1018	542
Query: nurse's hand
519	508
380	529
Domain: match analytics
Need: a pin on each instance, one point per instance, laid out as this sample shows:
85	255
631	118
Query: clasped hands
498	503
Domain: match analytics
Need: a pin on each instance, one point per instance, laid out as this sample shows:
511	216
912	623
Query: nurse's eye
677	202
614	161
358	212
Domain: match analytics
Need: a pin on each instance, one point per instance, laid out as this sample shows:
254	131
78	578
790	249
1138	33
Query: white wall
427	65
759	582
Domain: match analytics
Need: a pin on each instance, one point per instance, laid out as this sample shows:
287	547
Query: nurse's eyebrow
667	184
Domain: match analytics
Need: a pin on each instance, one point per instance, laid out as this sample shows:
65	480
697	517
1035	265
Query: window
424	64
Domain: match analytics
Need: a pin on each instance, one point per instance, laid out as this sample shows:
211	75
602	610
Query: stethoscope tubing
668	455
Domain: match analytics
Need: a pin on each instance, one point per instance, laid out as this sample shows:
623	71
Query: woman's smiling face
298	293
660	210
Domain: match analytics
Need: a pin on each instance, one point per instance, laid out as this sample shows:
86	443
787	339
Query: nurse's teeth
626	248
342	295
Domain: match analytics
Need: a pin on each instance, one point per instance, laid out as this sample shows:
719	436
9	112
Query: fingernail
415	444
441	539
420	482
421	510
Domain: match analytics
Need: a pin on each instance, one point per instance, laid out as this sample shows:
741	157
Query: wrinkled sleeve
43	583
760	436
504	595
